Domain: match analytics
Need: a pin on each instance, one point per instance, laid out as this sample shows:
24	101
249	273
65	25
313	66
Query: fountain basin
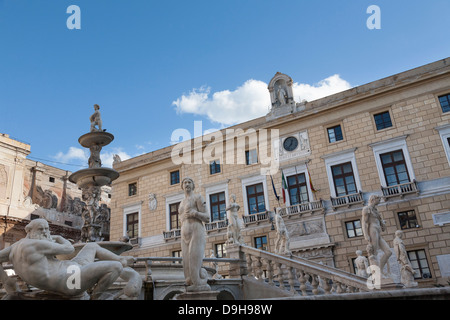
117	247
96	177
99	138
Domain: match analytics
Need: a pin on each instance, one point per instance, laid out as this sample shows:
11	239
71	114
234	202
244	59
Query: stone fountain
92	179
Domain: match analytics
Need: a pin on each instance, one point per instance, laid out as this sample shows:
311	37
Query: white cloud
78	156
326	87
73	155
249	101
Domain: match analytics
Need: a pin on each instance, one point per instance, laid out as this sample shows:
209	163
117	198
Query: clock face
290	144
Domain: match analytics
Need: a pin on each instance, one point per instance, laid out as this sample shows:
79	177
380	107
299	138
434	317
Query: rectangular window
220	250
445	102
175	177
174	217
214	167
251	156
133	225
335	134
419	263
51	179
407	219
261	243
298	190
394	167
383	120
353	228
344	180
217	206
255	198
132	189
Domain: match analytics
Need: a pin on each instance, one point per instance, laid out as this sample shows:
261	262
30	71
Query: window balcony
216	225
172	234
347	200
301	208
256	218
400	190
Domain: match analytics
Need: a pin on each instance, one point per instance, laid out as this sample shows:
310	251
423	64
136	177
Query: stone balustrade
256	217
347	200
294	272
400	189
301	208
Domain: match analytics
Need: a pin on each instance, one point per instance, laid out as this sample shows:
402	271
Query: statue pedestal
200	295
384	283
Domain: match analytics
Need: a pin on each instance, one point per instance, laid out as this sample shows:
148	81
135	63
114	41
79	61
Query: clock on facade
290	144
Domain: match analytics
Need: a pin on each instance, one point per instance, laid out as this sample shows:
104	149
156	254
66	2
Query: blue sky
156	66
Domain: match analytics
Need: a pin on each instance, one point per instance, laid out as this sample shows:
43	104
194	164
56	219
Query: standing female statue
193	214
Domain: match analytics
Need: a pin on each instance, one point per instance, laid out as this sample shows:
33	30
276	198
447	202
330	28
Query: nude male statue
373	225
34	261
96	119
193	214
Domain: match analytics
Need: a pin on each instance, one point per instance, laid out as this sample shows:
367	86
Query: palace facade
390	138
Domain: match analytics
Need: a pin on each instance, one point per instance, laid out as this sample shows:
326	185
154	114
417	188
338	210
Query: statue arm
365	224
60	246
201	212
9	283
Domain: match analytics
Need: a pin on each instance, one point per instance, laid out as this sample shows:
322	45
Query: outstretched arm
9	283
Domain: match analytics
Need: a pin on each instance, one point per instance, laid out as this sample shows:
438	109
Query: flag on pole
310	181
283	186
274	190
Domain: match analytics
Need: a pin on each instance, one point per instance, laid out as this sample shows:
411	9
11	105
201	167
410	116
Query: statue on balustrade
235	224
193	215
282	242
373	225
406	270
361	264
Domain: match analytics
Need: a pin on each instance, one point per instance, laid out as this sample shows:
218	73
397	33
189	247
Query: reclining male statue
34	261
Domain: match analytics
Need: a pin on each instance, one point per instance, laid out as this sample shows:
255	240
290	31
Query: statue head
187	182
38	229
374	200
96	107
399	234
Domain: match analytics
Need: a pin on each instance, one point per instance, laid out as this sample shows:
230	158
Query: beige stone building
31	189
390	138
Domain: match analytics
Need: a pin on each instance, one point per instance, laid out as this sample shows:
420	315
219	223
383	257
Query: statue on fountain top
96	119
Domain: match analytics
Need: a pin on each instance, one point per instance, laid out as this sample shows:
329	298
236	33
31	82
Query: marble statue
235	224
281	96
406	270
34	261
361	264
90	214
372	225
282	242
215	265
193	215
96	120
152	202
94	160
116	159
